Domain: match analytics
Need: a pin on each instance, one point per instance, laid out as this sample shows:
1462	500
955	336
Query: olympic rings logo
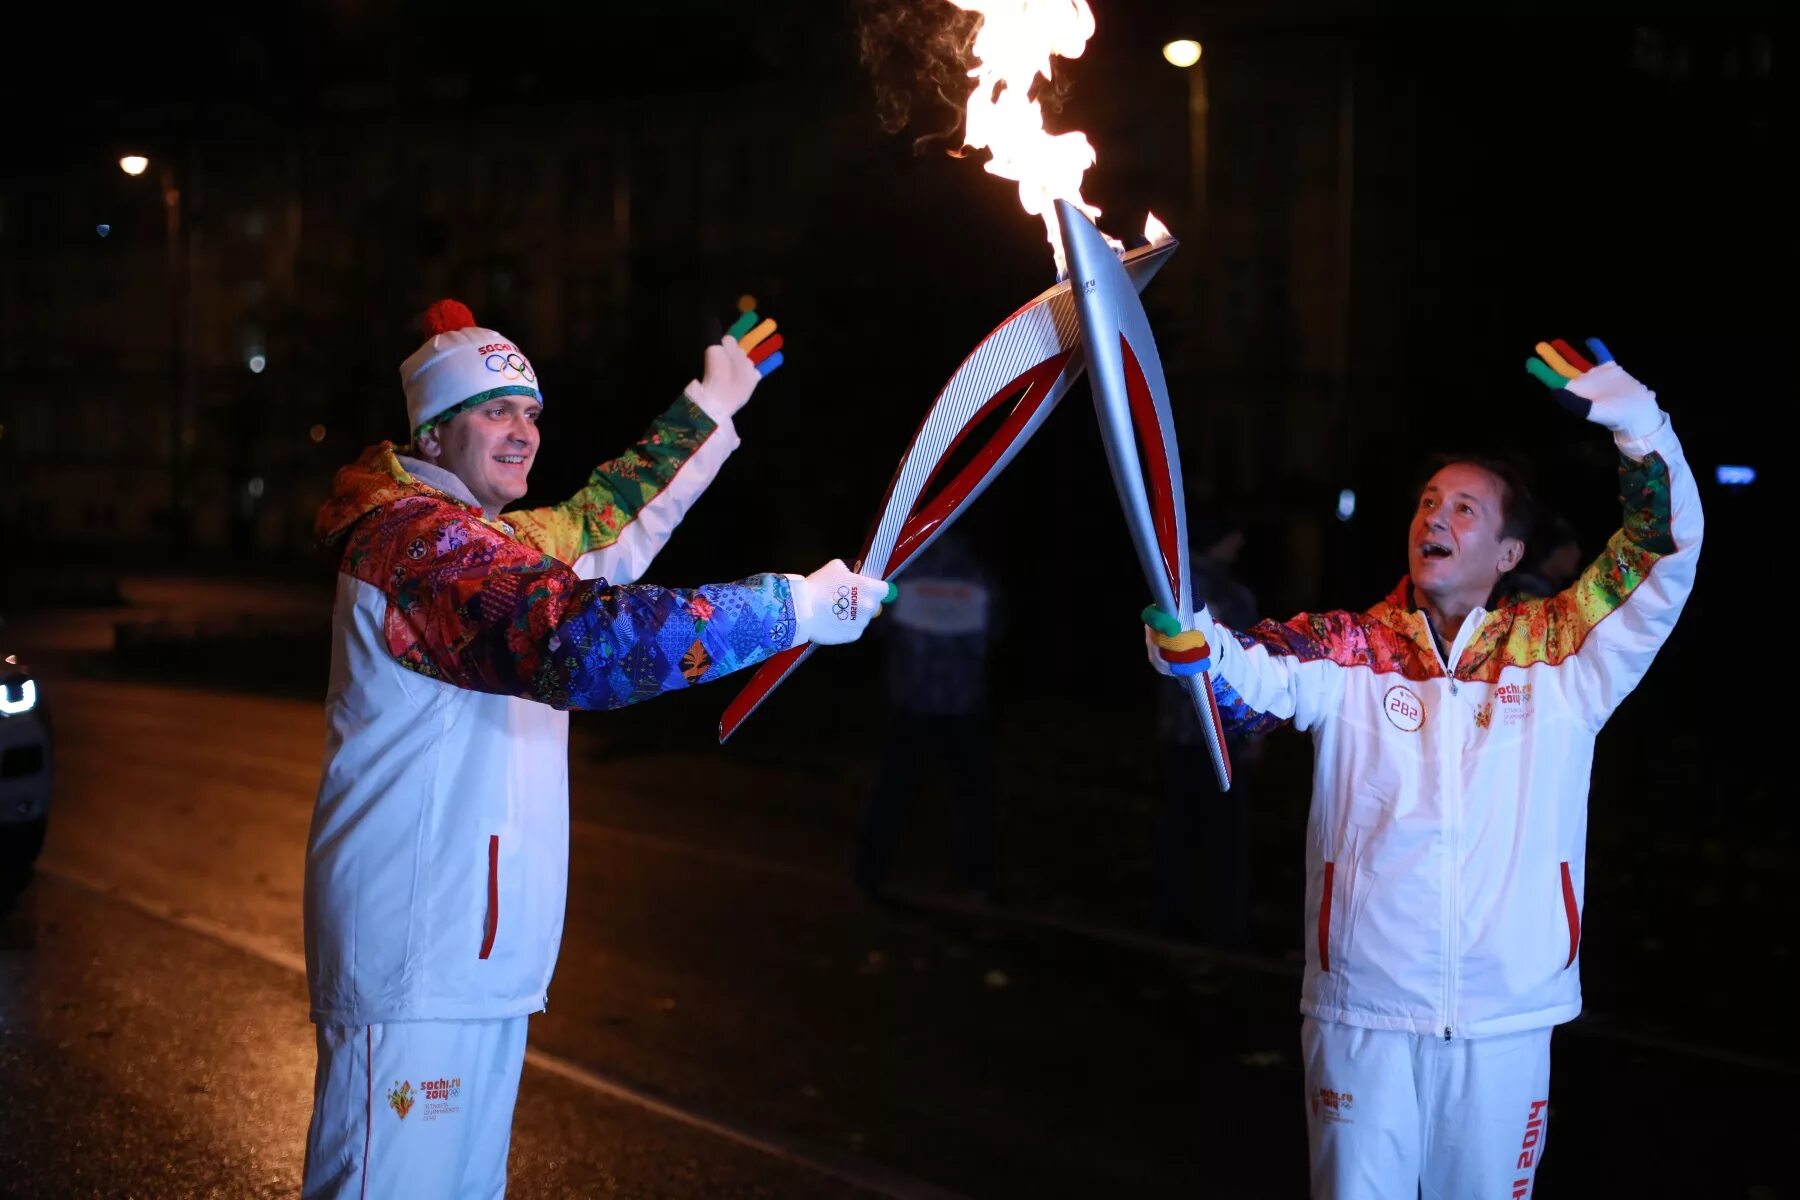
844	607
512	366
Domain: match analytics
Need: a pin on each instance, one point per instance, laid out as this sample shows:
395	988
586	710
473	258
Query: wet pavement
729	1017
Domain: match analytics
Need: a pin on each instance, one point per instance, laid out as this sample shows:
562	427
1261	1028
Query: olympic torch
999	396
1131	400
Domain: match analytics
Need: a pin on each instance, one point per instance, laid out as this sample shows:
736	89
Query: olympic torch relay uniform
1446	847
438	859
437	864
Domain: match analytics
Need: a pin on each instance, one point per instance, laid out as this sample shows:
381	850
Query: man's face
490	448
1455	548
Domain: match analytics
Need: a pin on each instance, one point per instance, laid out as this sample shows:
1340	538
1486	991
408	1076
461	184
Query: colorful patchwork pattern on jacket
1394	637
617	491
471	606
1553	629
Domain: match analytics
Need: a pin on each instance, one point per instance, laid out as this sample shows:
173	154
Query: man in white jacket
1446	842
437	865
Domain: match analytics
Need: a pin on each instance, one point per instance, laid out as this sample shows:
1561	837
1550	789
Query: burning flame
1155	232
1014	46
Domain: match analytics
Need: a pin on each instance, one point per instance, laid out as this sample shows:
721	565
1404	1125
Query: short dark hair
1518	507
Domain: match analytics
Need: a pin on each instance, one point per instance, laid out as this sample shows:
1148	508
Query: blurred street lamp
1185	55
1183	52
135	165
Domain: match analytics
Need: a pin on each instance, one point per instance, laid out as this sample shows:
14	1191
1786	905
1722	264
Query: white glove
1174	650
834	604
728	378
1157	663
1603	393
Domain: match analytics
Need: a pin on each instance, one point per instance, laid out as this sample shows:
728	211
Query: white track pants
413	1108
1392	1115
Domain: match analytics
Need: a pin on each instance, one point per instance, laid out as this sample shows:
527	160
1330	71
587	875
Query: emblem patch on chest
1404	709
1511	702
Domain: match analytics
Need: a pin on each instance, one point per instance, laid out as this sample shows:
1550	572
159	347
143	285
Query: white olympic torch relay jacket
1445	853
437	867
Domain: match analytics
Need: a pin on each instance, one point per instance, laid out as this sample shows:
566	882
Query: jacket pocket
493	896
1325	917
1573	914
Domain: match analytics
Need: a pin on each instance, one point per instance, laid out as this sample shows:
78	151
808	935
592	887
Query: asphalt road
729	1017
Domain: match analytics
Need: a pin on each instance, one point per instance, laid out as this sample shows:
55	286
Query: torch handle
1132	406
1206	707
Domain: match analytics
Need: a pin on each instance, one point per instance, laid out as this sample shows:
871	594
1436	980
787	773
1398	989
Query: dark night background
1397	205
1401	207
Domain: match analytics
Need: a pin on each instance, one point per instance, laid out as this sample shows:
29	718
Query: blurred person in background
937	643
1553	562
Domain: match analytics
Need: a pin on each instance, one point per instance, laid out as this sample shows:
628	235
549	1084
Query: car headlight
17	696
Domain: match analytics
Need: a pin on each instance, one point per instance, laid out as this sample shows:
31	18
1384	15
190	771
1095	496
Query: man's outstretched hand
1599	391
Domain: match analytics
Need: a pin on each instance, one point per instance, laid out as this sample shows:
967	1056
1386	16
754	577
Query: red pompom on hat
447	316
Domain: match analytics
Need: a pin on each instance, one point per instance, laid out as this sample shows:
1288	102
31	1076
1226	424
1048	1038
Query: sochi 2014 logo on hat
504	359
1404	709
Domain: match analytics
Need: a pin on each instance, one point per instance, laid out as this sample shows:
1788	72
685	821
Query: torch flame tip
1015	44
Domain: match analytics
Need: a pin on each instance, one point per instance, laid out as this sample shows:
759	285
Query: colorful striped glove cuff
1185	650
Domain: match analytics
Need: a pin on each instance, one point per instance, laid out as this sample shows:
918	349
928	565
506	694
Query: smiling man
437	865
1453	737
1468	531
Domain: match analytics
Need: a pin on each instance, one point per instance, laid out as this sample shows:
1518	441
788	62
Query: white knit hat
460	365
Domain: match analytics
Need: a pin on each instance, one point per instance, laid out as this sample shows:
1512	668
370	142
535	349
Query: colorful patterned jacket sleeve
1278	673
1606	627
616	525
472	607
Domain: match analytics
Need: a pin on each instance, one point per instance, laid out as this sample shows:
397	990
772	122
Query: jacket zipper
1450	772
